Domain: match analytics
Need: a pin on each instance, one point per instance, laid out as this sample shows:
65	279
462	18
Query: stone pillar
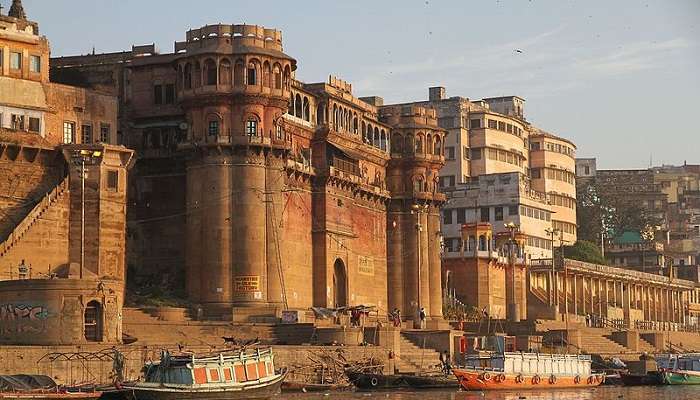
410	267
395	260
435	266
626	301
575	295
425	264
607	296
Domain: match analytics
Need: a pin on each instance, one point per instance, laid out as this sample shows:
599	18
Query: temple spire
16	10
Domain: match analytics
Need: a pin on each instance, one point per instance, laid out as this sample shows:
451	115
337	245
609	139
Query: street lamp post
417	210
81	157
514	311
553	287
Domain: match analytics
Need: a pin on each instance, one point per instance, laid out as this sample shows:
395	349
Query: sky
619	78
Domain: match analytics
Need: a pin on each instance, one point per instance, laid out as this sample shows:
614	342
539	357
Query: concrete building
500	170
265	193
62	200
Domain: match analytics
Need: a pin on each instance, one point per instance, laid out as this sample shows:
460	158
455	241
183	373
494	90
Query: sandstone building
56	288
267	193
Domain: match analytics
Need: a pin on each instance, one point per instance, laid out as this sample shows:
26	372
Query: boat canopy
19	383
531	363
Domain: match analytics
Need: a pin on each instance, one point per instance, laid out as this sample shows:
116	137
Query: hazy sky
619	78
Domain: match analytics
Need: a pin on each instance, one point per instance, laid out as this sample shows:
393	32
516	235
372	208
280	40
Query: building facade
62	200
259	192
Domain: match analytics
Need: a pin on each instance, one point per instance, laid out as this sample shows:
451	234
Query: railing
32	216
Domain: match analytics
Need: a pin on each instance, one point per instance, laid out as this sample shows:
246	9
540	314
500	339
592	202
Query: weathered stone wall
51	311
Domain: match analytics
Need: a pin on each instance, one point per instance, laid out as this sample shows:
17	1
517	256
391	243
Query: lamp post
513	310
418	209
553	288
80	158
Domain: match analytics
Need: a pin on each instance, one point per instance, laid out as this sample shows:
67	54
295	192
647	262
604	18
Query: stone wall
51	311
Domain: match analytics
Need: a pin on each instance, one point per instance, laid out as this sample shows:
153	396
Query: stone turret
16	10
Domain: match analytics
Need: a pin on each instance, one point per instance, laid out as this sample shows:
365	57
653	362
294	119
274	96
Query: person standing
421	316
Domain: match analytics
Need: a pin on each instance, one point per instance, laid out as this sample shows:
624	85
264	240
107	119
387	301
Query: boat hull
681	377
488	380
50	396
648	379
431	382
377	381
262	390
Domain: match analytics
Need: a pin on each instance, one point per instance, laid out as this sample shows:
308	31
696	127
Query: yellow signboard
246	283
365	266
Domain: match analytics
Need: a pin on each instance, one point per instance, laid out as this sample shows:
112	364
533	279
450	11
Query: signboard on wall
365	266
246	283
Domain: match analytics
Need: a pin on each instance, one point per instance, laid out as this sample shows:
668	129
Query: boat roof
13	383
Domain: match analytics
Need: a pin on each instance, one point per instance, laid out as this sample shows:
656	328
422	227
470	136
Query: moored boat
369	381
40	387
517	371
431	381
679	369
651	378
241	374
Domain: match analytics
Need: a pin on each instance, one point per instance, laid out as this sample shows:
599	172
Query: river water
600	393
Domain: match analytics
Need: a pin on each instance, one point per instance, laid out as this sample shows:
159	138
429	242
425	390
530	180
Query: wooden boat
40	387
679	369
367	381
431	381
288	386
651	378
242	374
517	371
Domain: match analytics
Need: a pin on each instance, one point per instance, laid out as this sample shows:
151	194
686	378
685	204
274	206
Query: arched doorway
93	321
340	284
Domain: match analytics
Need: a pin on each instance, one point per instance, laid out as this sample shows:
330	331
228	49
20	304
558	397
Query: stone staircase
33	216
414	358
148	329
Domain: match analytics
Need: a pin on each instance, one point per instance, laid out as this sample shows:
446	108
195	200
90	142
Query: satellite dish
183	126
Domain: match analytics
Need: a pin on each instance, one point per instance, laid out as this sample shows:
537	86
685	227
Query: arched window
252	74
368	134
213	125
297	106
382	140
419	144
438	146
188	76
396	143
251	127
287	77
238	73
267	75
197	75
225	72
290	110
471	244
210	72
335	117
408	148
363	131
354	124
418	184
277	71
306	110
429	144
375	141
93	321
482	243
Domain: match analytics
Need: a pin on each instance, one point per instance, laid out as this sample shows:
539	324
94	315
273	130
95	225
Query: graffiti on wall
22	318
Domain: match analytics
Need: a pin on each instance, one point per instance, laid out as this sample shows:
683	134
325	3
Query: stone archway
340	284
93	321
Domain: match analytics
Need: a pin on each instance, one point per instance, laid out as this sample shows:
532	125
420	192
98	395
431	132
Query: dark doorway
93	321
340	284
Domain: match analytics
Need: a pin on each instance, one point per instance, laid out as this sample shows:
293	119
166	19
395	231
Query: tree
585	251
